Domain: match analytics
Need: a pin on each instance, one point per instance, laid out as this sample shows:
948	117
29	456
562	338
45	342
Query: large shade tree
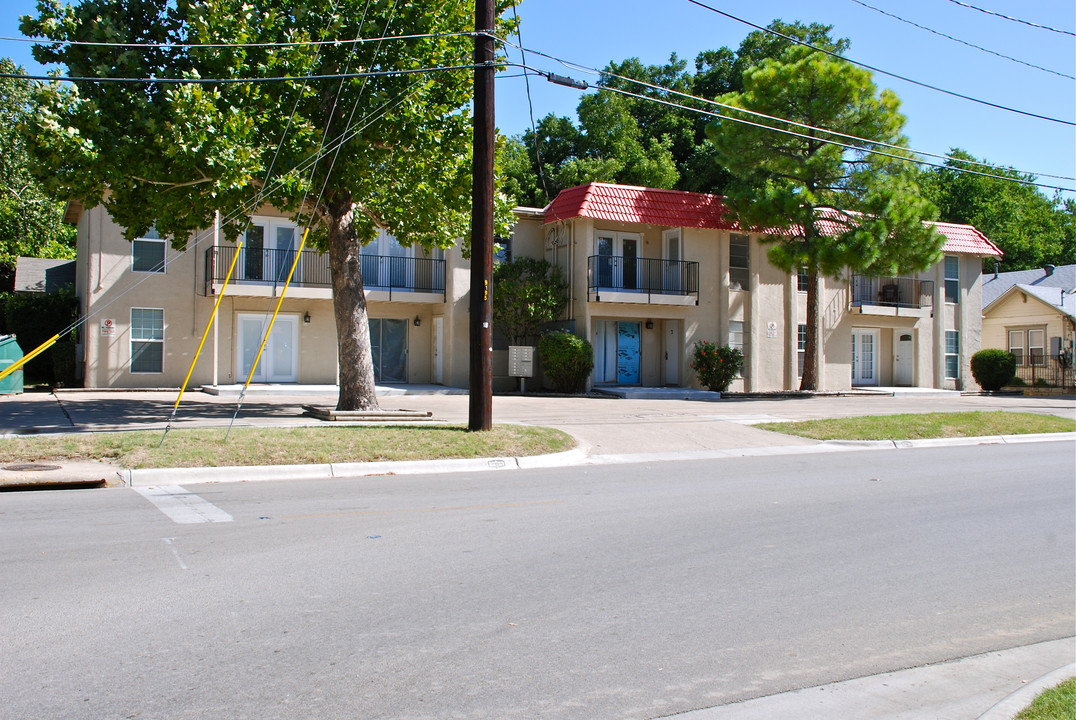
824	206
31	222
386	147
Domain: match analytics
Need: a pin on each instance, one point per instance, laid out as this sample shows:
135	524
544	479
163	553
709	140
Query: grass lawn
925	425
1057	703
286	446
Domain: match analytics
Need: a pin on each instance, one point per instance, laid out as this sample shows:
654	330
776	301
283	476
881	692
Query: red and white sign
108	326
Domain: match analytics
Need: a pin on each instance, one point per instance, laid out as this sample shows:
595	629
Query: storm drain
30	467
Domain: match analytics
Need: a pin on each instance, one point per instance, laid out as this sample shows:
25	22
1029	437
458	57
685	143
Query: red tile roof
676	208
626	203
966	239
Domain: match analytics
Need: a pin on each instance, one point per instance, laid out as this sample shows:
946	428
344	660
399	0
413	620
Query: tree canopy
643	140
527	294
366	132
824	206
1031	229
31	222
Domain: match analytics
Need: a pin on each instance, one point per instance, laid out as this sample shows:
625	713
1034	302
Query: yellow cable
29	356
265	338
212	318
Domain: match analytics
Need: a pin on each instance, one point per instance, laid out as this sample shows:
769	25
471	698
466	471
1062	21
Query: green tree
790	185
1031	229
389	150
527	294
31	222
644	140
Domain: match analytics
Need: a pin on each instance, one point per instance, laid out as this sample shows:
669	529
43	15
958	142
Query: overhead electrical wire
963	42
879	70
191	46
600	73
1018	20
530	107
246	80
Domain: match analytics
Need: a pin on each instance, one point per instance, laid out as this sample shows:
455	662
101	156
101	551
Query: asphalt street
624	591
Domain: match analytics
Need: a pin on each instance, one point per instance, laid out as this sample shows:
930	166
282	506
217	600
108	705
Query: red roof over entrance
676	208
627	203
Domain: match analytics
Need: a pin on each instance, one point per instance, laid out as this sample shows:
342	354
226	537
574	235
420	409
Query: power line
236	81
1006	17
835	142
879	70
716	103
530	107
963	42
190	46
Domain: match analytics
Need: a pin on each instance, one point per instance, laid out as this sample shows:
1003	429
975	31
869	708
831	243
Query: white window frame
1018	346
738	340
801	348
144	341
151	237
803	280
952	280
1037	359
745	269
952	355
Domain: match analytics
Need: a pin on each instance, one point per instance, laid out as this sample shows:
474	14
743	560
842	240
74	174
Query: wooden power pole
480	409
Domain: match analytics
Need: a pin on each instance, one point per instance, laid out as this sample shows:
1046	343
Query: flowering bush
716	366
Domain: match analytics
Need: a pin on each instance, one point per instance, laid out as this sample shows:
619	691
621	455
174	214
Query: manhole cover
30	467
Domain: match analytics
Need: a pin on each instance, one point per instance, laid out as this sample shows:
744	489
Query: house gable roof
994	286
43	274
1060	300
677	208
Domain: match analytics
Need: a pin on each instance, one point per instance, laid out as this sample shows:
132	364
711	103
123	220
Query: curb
577	456
1008	708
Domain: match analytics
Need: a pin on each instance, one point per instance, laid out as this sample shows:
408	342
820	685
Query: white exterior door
439	350
903	357
672	351
864	357
279	361
671	252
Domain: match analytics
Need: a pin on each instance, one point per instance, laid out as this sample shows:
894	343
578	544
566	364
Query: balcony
264	272
647	281
903	296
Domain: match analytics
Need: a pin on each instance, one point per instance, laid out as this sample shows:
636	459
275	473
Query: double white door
279	362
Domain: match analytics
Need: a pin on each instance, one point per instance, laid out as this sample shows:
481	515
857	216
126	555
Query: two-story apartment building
650	272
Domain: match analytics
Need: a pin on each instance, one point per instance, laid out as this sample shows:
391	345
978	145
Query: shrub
993	368
567	359
1042	382
716	367
35	317
1017	382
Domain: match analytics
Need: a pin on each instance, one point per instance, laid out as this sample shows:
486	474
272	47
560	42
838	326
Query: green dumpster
10	353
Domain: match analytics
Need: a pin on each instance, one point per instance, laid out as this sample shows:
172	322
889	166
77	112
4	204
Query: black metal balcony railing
650	276
270	267
901	292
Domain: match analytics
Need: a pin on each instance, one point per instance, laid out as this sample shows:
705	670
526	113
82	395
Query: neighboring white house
650	272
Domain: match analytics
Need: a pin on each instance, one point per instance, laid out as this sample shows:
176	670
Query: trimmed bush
993	368
716	367
567	359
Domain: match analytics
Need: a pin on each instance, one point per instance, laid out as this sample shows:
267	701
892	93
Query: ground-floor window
736	340
952	354
147	340
1028	346
801	348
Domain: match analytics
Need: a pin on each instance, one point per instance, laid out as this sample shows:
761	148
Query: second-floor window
803	280
952	279
739	262
147	253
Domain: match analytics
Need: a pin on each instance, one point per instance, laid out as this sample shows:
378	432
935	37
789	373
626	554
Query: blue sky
594	32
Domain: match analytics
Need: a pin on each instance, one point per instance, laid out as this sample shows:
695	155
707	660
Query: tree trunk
357	389
809	379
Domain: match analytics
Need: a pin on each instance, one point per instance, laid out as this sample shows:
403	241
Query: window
739	262
952	354
952	279
1036	347
147	340
147	253
801	348
736	340
803	280
1016	345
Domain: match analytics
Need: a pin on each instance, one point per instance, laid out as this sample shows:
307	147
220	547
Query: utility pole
480	408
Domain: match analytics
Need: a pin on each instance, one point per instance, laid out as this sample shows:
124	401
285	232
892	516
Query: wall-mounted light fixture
418	321
649	324
306	318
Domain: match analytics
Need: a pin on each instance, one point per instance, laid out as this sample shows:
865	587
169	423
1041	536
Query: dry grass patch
287	446
924	426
